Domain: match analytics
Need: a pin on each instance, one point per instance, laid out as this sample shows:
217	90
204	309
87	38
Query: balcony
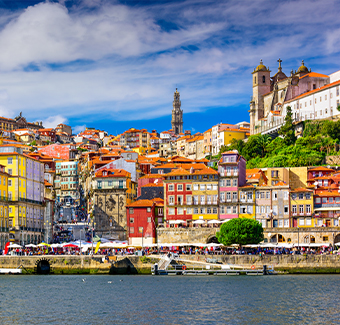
250	200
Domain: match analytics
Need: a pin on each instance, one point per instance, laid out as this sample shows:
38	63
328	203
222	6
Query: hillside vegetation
320	138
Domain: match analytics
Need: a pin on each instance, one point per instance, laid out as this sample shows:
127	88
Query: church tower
177	114
261	86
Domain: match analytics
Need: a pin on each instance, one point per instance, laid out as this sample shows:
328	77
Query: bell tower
177	114
261	86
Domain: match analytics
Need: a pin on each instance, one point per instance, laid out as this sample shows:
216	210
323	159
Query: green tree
263	141
287	130
240	231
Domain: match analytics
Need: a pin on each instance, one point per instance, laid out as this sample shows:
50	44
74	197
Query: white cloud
78	128
53	121
133	63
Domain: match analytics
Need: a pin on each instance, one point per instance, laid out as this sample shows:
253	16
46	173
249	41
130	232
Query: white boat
10	271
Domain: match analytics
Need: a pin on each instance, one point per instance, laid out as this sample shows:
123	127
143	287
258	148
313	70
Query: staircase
164	262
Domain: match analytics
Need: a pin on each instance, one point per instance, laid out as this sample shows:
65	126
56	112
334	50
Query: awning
327	209
176	222
311	245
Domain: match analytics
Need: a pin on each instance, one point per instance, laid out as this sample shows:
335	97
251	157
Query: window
264	79
189	211
148	209
234	182
10	171
285	195
149	219
209	187
325	238
274	195
301	208
195	210
171	200
301	221
132	230
208	199
189	199
294	208
188	187
202	210
209	210
228	196
202	199
99	184
202	187
286	209
171	211
318	200
9	182
170	187
234	195
243	209
110	183
195	187
10	161
300	196
308	221
308	196
228	182
179	187
267	195
132	220
286	222
308	208
214	210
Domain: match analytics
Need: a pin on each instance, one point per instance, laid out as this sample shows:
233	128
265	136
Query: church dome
302	68
261	67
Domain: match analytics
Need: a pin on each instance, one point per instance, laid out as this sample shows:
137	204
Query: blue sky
115	64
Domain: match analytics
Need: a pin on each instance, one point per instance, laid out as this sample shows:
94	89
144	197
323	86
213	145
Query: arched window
306	239
254	80
264	79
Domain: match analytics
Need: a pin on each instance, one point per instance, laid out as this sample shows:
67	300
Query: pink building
232	170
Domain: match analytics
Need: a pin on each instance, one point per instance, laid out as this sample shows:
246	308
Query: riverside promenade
99	264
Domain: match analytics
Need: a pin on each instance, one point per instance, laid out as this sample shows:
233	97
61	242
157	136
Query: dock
176	266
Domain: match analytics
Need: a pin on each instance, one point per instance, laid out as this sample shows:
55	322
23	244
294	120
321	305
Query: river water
139	299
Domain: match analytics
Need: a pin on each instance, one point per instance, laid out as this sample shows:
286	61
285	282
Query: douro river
51	299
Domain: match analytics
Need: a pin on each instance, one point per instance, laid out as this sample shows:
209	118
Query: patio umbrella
14	246
43	244
198	221
214	221
70	245
31	245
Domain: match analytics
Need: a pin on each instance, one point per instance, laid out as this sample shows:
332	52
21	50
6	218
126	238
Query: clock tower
177	114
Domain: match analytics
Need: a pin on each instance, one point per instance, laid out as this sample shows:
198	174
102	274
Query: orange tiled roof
141	203
314	74
153	185
301	189
320	169
113	173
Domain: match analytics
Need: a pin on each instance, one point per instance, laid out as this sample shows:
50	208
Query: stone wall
110	213
333	160
321	235
185	235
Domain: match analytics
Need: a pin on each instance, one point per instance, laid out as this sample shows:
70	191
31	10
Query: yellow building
4	225
140	150
25	194
301	203
247	201
205	194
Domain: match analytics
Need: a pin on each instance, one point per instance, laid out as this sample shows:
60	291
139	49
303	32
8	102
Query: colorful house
232	170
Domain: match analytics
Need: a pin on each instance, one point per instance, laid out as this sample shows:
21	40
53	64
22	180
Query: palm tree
263	140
